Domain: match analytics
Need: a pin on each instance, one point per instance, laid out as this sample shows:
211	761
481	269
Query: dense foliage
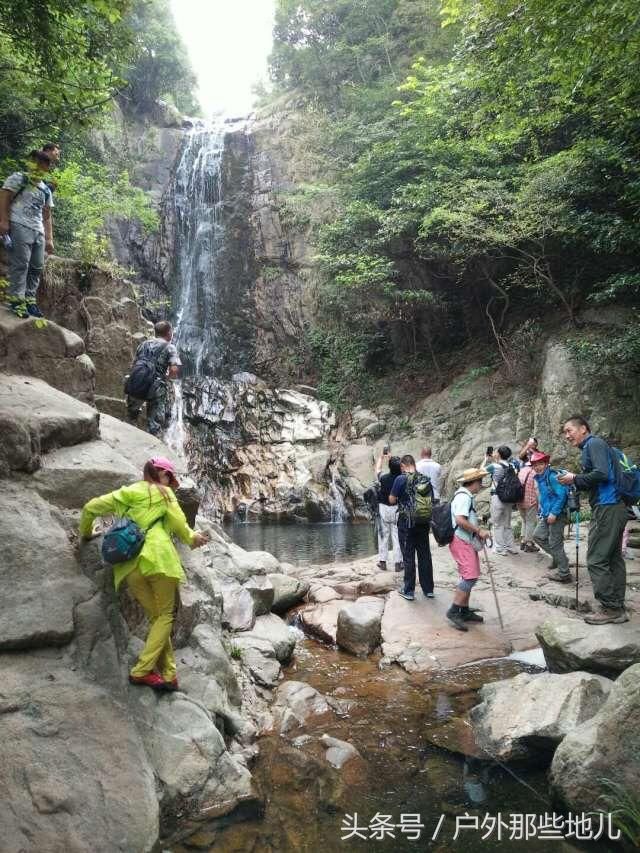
497	183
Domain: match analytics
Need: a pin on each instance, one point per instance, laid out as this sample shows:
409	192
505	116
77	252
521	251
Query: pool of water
302	544
395	721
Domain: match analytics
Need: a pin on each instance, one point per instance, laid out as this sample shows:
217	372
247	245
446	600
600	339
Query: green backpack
418	502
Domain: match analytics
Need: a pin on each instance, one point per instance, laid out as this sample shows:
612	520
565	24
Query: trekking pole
577	526
493	585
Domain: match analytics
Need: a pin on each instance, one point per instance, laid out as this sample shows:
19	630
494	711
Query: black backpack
143	374
442	526
417	506
509	489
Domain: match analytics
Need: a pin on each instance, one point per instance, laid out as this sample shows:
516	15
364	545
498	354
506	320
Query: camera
573	500
386	450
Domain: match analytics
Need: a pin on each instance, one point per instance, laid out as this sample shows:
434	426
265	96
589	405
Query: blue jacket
598	477
552	495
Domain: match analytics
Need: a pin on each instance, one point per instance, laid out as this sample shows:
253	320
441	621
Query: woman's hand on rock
199	539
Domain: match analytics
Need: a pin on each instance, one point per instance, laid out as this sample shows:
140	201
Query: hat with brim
471	474
164	464
539	456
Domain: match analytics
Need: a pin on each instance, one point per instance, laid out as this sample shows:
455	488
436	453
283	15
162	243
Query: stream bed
402	778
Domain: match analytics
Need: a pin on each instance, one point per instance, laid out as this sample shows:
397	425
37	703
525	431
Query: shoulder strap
25	181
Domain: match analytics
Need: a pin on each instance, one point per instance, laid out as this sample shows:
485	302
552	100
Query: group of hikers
409	507
26	228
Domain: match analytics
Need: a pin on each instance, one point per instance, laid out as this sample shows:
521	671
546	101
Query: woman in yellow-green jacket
154	574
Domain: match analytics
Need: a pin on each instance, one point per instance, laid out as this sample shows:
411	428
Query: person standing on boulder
552	505
605	562
414	495
466	533
154	574
26	226
388	514
155	361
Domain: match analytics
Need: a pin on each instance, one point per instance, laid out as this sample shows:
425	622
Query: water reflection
303	544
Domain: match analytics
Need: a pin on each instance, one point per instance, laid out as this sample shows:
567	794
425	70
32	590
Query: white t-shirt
27	205
433	471
462	504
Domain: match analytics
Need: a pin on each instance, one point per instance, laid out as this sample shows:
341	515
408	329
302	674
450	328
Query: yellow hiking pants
157	595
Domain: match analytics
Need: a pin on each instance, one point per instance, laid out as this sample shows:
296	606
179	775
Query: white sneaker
499	552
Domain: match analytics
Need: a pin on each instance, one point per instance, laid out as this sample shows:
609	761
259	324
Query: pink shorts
466	557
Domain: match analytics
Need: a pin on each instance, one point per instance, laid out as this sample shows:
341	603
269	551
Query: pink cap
164	464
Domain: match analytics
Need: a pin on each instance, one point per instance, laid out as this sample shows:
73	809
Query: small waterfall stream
339	511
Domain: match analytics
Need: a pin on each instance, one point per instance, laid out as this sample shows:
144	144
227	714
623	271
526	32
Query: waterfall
339	511
175	435
197	202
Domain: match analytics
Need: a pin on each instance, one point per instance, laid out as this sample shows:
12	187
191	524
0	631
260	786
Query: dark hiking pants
156	409
414	541
604	554
550	537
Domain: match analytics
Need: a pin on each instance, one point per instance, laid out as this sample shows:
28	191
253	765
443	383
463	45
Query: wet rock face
260	452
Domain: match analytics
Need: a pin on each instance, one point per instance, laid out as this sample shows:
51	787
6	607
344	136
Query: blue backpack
627	476
124	540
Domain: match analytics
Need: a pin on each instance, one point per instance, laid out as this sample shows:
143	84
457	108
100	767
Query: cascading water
339	511
197	200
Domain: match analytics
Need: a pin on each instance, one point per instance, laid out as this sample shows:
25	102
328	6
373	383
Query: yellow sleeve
113	503
176	522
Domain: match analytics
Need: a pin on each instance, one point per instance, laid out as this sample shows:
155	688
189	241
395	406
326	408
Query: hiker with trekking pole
467	540
602	479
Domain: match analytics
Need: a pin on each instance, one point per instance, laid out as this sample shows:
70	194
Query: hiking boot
18	307
151	679
382	565
399	567
34	311
409	596
607	616
558	577
471	616
456	618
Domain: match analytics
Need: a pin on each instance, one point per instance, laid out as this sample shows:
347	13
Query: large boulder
238	607
525	718
321	620
261	591
36	418
295	702
38	572
75	775
358	627
272	629
50	352
258	658
606	747
571	644
287	591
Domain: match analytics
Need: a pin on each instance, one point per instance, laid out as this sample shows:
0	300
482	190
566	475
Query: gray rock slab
526	717
238	607
571	644
258	657
70	476
276	632
36	418
323	594
606	747
358	626
287	591
321	620
75	775
295	702
40	578
261	591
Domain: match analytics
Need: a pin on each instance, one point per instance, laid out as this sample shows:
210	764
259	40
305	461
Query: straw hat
471	474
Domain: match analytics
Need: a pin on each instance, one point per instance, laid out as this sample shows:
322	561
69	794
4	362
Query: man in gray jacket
608	519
